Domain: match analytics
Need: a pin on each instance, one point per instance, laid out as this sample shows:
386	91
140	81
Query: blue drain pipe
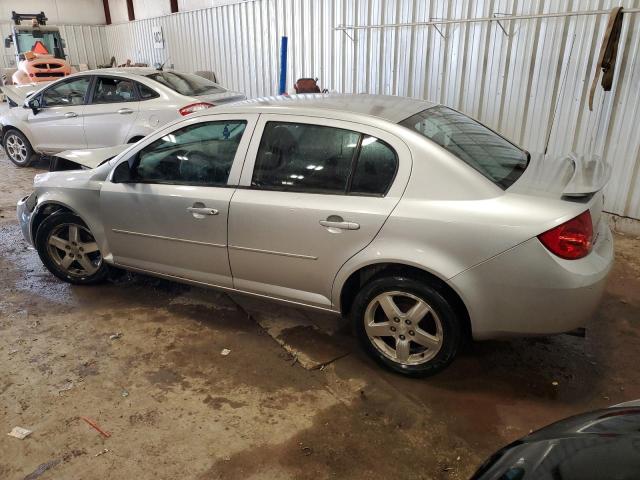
283	65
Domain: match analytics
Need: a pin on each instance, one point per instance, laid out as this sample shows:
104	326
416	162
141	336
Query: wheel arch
357	279
46	209
7	127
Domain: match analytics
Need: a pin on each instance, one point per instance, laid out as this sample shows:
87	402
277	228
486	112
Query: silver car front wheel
74	250
18	148
69	250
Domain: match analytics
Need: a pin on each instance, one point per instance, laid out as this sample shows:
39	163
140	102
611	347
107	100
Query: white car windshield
473	143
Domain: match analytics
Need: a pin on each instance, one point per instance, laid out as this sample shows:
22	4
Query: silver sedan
416	222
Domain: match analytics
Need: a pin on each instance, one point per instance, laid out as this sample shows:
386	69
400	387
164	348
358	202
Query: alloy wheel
16	148
403	327
74	250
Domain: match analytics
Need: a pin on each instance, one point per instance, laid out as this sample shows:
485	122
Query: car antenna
160	67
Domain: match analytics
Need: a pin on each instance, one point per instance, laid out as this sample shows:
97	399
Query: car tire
69	251
423	334
18	148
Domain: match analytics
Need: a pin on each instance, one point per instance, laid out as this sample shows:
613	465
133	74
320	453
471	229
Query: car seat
279	147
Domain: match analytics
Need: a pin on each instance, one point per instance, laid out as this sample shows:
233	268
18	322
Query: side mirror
124	172
8	41
34	104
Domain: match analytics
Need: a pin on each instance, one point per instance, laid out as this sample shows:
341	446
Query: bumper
529	291
24	211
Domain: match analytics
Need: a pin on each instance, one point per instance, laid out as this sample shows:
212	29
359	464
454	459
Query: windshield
478	146
187	83
40	42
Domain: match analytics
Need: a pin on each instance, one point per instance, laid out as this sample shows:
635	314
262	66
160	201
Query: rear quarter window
146	93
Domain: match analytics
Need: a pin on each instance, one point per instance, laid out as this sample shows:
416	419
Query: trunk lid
221	98
573	178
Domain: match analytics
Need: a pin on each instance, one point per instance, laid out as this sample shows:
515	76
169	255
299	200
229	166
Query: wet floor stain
218	402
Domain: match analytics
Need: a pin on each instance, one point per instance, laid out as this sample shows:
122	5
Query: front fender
85	203
12	121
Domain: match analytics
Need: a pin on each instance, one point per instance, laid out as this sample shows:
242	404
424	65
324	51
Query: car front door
112	110
58	124
313	193
165	207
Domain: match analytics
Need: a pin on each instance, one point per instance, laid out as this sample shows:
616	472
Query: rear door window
311	158
114	90
304	158
375	169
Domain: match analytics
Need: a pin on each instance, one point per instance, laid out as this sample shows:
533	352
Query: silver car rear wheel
73	250
403	327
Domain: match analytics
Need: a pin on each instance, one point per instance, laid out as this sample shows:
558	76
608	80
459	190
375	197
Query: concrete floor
177	408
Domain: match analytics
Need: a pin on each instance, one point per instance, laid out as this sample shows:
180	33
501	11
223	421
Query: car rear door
112	110
170	215
313	193
58	123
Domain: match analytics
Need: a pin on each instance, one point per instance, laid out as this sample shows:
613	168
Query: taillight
195	107
572	239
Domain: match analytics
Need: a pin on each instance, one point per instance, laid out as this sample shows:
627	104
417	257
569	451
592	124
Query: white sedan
101	108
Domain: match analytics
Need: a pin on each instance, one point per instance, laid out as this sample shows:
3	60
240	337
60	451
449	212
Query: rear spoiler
590	175
571	176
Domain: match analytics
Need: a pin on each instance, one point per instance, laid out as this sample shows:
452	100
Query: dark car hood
600	445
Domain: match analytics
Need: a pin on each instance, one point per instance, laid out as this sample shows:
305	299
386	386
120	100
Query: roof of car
388	107
124	71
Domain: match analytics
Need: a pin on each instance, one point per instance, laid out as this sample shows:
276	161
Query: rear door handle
203	210
125	111
70	114
340	225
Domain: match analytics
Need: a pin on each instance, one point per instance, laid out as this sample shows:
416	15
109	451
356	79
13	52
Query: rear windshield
473	143
187	83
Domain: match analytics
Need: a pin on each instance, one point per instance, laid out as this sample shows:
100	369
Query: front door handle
340	224
125	111
70	114
203	210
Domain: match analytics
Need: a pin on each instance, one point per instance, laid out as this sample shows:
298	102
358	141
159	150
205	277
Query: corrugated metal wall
513	80
85	44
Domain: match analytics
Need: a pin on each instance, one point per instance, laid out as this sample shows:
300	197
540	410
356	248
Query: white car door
314	193
167	212
58	124
111	112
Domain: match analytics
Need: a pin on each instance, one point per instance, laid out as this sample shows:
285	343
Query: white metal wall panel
529	81
85	44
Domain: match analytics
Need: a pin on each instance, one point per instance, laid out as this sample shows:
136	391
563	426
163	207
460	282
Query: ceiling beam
107	12
132	14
